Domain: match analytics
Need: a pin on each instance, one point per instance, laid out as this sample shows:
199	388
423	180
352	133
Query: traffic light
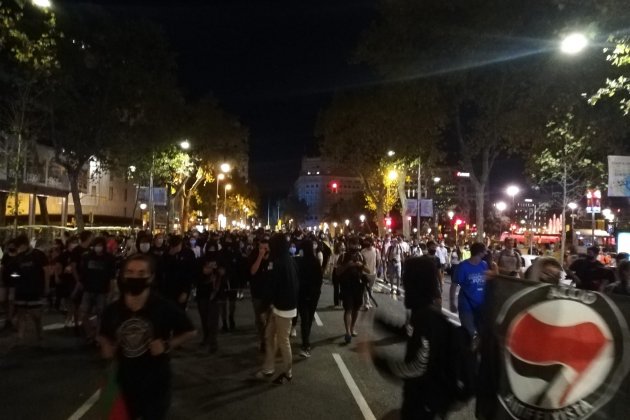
334	186
388	222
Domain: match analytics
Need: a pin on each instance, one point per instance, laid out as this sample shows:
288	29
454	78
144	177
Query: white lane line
453	317
86	406
354	389
56	326
318	320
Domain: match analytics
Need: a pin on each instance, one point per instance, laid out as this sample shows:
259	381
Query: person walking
260	287
139	330
395	255
311	278
372	259
179	272
471	279
351	271
284	296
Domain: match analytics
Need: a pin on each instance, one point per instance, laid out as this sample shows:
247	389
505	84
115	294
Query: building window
111	193
93	191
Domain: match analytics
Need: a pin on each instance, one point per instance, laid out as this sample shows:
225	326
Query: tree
110	95
571	160
497	81
28	45
359	129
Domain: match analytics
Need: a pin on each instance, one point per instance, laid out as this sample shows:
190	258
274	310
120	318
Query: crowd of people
130	296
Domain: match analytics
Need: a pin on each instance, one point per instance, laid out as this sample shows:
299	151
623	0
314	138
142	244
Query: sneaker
293	332
355	334
264	374
305	353
348	338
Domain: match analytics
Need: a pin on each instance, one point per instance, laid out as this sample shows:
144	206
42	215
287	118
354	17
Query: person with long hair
284	296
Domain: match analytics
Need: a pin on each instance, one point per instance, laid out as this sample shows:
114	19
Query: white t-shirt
369	255
442	254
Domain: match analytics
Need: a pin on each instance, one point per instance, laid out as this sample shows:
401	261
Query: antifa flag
553	352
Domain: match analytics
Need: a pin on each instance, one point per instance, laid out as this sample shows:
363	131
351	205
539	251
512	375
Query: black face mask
135	286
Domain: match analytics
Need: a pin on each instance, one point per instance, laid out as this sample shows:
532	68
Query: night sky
273	64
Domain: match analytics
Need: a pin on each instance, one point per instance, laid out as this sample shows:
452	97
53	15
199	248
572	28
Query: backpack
462	371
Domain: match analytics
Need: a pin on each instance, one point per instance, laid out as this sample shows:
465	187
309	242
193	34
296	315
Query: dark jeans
228	309
307	310
147	399
336	294
214	311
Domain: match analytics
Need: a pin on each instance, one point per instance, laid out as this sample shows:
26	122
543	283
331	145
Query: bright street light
572	206
362	218
501	206
392	175
228	187
225	167
221	177
143	206
44	4
573	44
451	214
185	145
437	179
391	153
347	222
512	191
606	212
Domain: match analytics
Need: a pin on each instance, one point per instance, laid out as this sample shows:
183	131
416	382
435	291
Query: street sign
426	208
159	196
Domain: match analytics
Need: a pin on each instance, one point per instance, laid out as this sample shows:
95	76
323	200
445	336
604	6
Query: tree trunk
73	178
185	212
480	200
4	197
183	215
43	209
378	218
403	204
563	233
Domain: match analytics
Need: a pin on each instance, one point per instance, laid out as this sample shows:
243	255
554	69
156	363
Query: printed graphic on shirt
134	337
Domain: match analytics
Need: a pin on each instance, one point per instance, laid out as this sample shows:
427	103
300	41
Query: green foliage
572	158
619	86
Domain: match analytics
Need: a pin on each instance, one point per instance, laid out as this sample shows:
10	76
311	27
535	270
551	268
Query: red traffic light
459	222
334	185
388	221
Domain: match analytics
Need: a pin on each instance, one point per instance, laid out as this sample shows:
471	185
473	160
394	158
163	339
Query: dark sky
274	64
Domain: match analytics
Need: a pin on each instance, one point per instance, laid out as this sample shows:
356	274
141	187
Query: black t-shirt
30	267
132	332
179	273
592	274
64	260
9	267
76	257
260	283
97	272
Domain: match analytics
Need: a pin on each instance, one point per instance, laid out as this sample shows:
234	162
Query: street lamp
185	145
227	188
437	179
44	4
500	206
362	218
451	214
574	43
392	175
391	153
513	191
347	222
225	167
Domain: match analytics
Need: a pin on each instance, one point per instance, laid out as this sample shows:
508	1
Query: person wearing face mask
179	272
432	254
139	330
98	272
192	241
260	287
158	248
590	274
231	259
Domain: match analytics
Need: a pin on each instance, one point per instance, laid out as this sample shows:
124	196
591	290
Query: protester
9	271
509	260
426	368
139	330
395	256
179	272
311	278
470	277
589	273
284	295
261	287
372	260
351	272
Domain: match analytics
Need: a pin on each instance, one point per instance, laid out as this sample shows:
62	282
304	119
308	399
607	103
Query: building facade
321	185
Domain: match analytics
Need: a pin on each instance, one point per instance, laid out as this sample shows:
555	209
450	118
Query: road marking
453	317
354	389
56	326
318	320
86	406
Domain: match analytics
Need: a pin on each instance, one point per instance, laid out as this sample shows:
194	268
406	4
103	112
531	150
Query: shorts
27	300
93	303
352	296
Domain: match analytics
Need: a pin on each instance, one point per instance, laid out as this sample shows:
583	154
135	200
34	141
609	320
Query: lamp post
573	43
457	223
594	205
227	188
500	206
392	175
225	168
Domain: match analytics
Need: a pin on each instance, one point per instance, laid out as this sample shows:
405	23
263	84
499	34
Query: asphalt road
60	379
